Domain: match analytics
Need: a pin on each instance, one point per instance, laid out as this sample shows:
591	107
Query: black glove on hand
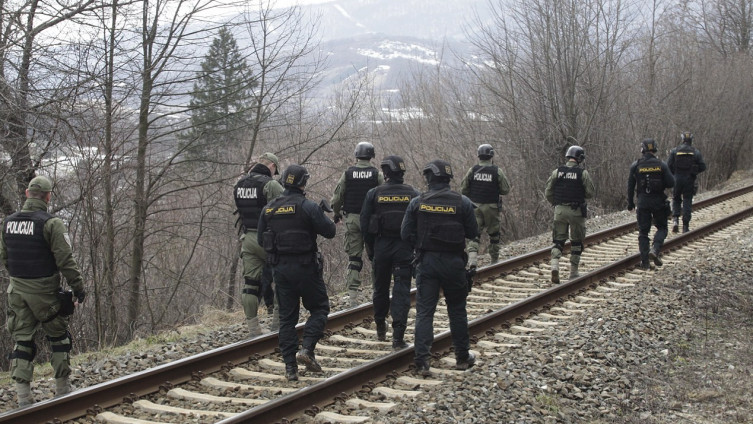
338	218
631	206
80	295
369	251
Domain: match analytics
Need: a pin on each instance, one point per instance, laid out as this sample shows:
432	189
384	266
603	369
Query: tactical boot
62	386
654	256
644	265
254	329
464	364
306	357
353	298
291	372
574	271
472	259
555	271
381	330
422	369
685	226
399	344
23	391
675	224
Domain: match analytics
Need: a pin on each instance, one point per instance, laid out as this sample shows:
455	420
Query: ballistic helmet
576	152
438	169
485	151
393	165
295	176
648	145
687	137
364	150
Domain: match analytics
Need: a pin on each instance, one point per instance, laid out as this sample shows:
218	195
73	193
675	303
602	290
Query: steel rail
113	392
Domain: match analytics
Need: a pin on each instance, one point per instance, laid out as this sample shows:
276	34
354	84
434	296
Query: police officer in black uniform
437	223
381	217
287	229
651	177
685	162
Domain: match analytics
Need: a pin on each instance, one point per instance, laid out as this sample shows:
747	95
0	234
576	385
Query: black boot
291	372
381	330
306	357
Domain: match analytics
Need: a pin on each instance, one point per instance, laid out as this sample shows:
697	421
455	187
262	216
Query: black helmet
364	150
576	152
485	151
687	137
393	165
295	176
648	145
438	168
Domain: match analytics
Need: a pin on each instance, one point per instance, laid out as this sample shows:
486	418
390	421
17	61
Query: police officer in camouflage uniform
36	250
685	162
346	203
251	194
567	189
437	223
483	184
650	176
287	229
381	219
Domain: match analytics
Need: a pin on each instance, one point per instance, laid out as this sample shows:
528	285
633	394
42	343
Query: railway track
243	382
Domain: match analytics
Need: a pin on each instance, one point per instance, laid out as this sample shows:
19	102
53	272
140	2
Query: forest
144	138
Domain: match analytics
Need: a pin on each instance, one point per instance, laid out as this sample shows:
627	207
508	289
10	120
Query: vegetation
146	118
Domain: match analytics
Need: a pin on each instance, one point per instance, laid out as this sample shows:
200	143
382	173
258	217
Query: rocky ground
674	348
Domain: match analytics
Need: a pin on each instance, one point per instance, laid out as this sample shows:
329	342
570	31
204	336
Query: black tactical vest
439	223
390	202
250	199
29	255
649	176
684	159
289	227
483	184
568	187
358	181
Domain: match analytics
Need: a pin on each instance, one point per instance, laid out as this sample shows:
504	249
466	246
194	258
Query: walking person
381	218
36	251
251	194
437	223
685	162
288	229
484	183
650	177
567	189
347	202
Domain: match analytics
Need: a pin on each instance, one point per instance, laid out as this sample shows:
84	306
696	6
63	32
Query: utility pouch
66	303
268	242
584	210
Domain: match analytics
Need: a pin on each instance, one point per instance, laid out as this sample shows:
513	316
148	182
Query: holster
584	210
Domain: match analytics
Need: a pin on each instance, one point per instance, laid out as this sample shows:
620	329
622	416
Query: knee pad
250	287
494	238
559	245
61	347
22	354
356	263
576	248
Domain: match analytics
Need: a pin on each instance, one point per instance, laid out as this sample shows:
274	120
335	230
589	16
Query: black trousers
682	196
646	217
298	280
392	258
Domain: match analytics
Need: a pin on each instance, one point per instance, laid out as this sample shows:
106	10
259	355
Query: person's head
295	176
687	137
576	153
40	187
364	150
648	145
271	161
485	152
437	171
393	167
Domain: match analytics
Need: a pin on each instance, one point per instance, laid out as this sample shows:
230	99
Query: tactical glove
80	295
338	218
631	206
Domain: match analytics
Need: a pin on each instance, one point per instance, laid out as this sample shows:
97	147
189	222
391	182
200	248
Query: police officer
650	177
685	162
483	184
567	189
346	203
287	229
36	250
381	219
251	193
437	223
